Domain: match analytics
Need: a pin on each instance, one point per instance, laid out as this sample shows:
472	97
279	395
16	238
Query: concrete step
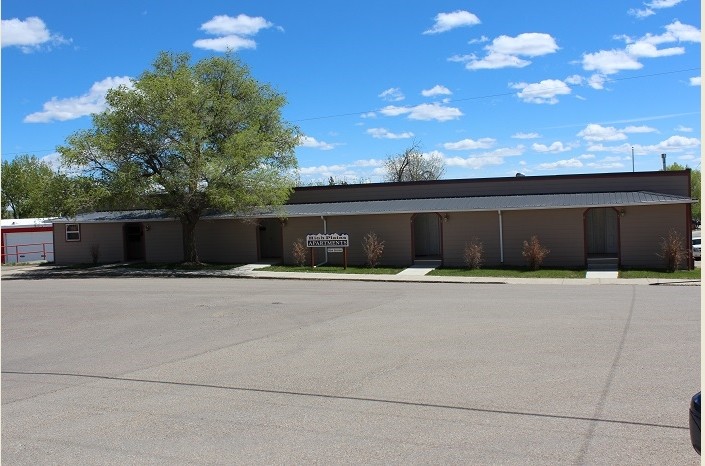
606	264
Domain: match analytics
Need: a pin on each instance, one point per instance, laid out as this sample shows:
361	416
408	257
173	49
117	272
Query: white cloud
543	92
555	147
673	144
53	160
234	32
447	21
597	81
651	6
695	81
595	132
310	142
608	163
242	25
325	170
436	90
646	50
226	43
469	144
677	144
505	51
72	108
639	129
494	60
569	163
679	32
610	61
424	112
473	162
383	133
683	129
28	35
480	40
505	152
526	136
393	94
529	44
368	163
574	80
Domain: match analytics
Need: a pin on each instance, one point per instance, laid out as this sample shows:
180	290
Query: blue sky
495	88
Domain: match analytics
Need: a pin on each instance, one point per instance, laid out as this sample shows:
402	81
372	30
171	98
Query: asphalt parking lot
247	371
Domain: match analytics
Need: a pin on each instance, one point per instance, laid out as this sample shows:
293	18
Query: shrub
673	250
300	252
534	253
473	254
373	248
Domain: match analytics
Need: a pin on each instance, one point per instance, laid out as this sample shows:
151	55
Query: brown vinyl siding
227	241
461	228
107	236
394	230
642	231
675	183
559	230
163	242
298	228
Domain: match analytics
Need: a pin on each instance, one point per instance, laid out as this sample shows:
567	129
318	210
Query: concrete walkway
30	272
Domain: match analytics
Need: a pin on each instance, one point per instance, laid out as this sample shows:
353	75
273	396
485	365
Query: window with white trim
73	232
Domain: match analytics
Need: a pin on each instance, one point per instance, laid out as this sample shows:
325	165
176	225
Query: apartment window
73	232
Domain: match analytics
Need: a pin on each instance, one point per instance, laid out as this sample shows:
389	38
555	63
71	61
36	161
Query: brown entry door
134	241
602	232
427	236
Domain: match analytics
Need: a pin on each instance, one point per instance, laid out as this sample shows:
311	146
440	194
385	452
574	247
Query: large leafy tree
26	183
413	165
188	138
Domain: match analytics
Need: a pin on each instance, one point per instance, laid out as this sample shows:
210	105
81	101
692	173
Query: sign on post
333	242
325	240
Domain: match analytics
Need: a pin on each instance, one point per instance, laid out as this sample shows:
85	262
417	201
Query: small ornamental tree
534	253
299	252
373	248
673	250
473	254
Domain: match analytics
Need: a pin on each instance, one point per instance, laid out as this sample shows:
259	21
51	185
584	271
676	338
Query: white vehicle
696	248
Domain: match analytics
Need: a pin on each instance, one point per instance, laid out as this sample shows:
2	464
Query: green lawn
678	274
334	269
508	272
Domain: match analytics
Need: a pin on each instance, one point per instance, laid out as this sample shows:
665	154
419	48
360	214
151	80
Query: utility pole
663	157
632	159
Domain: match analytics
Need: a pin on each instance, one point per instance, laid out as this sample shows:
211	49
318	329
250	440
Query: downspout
501	239
325	231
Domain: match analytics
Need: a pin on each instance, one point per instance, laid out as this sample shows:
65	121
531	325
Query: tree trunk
188	227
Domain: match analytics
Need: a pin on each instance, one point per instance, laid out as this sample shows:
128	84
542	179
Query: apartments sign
326	240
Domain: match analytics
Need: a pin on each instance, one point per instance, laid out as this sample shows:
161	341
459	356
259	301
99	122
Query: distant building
620	216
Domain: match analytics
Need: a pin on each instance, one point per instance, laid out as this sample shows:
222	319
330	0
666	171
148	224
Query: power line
502	94
464	99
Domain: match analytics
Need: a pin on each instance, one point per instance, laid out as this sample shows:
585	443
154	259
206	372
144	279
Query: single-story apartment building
622	216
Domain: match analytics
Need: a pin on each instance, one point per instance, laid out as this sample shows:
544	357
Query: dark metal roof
454	204
484	203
